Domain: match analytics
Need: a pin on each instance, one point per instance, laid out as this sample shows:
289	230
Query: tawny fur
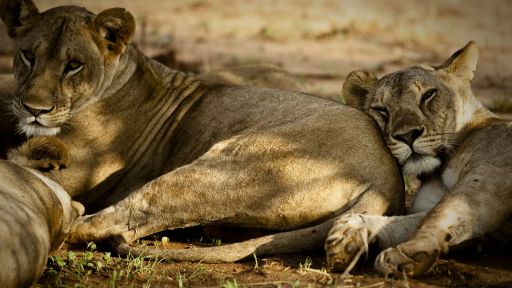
35	214
461	151
157	149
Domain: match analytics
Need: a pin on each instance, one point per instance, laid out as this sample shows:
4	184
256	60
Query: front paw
346	241
412	258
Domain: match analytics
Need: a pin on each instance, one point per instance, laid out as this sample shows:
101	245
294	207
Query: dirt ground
319	41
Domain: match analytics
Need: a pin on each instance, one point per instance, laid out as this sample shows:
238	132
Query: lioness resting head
438	131
156	149
35	212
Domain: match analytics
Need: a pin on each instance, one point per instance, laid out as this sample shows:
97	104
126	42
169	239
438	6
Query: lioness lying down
462	152
35	212
157	149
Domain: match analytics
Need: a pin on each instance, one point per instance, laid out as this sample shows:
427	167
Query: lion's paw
412	258
346	241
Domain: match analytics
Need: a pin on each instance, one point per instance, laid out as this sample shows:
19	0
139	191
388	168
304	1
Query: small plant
256	266
306	266
199	270
216	242
179	280
230	284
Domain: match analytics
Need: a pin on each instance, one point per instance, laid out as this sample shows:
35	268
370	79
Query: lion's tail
285	242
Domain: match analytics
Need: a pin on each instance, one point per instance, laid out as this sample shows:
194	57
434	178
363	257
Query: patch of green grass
230	284
76	267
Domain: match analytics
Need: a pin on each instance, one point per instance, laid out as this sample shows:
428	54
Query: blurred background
320	41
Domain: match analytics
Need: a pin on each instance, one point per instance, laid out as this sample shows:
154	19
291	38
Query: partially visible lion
261	75
438	131
35	212
156	149
8	136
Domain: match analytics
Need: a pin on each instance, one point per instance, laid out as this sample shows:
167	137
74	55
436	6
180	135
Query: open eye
382	111
28	57
73	67
428	95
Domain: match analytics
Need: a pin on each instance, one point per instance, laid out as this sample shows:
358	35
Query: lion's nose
410	136
37	110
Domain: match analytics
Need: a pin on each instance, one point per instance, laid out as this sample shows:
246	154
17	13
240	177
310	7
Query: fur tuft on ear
18	15
462	63
116	26
358	89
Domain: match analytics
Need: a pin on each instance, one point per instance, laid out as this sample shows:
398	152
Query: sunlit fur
460	149
154	142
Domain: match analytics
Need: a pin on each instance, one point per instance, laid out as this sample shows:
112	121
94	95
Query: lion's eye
382	111
28	57
428	95
73	67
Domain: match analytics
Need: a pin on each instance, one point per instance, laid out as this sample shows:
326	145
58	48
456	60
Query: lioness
35	212
261	75
438	131
157	149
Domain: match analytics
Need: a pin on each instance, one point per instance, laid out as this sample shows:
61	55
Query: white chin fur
34	130
424	165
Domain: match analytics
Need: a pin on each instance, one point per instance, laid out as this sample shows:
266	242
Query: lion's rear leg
294	241
115	222
183	198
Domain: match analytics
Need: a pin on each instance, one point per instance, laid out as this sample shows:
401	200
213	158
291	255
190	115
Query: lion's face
65	58
412	108
419	109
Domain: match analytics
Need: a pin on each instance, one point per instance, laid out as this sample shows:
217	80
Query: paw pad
346	242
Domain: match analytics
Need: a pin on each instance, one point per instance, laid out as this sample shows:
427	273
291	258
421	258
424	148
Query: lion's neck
125	72
133	119
471	112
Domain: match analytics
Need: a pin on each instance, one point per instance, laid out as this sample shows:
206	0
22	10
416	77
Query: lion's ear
18	15
462	63
359	89
116	26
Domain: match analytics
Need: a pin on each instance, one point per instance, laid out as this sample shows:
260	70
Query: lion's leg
294	241
284	242
460	216
200	193
183	198
352	233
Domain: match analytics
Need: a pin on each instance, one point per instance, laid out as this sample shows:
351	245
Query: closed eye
27	57
381	110
428	95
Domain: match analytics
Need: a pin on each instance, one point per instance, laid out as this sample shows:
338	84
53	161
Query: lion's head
64	58
419	109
